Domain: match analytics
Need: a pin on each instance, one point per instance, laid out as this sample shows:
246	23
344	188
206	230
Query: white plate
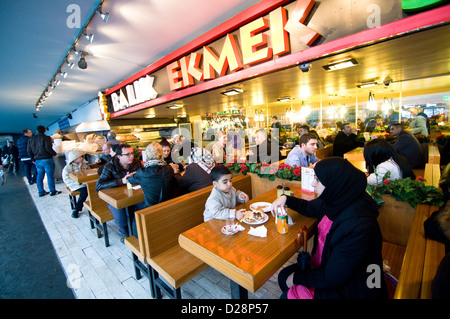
267	206
265	218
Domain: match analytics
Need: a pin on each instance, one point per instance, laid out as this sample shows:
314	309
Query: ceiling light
104	16
69	64
285	99
175	106
89	37
367	84
341	64
232	91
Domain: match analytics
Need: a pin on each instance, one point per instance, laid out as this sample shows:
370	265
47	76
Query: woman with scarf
156	177
346	261
197	172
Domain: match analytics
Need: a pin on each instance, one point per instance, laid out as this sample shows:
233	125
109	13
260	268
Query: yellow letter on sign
175	76
228	57
280	39
252	40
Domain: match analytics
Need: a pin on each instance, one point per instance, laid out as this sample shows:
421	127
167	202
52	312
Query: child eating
222	201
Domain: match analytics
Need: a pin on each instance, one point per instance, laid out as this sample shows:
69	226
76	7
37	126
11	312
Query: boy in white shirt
222	201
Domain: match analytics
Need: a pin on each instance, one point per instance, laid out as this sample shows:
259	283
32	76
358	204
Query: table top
247	260
84	176
356	154
361	165
121	197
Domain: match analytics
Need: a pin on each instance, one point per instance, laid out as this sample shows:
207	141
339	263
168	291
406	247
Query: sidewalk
29	266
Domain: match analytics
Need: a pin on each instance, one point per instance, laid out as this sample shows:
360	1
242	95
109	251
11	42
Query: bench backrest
434	156
325	151
160	225
95	202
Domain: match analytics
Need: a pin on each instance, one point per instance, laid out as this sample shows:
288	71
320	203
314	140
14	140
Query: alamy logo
374	19
374	278
74	18
73	276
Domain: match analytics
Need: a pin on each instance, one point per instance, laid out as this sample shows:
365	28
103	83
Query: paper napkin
260	231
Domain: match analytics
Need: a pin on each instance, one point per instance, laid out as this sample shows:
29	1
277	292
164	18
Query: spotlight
104	16
35	116
305	67
82	64
89	37
69	116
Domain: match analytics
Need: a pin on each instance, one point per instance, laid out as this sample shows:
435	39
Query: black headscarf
343	182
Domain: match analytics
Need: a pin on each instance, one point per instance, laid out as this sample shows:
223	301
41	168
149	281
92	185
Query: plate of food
255	217
266	207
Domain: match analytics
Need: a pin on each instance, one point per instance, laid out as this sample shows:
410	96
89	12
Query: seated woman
197	174
167	154
156	177
219	149
381	158
347	243
75	163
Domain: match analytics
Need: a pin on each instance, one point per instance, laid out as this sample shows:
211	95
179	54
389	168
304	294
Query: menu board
307	179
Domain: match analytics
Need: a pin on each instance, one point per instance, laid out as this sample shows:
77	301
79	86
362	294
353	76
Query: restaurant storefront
303	61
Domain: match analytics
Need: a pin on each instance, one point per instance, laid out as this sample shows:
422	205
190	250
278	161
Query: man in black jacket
41	153
345	141
114	174
408	146
30	168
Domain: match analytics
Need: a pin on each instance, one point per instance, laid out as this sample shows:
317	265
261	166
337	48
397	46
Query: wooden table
285	151
361	165
84	176
247	260
356	154
122	197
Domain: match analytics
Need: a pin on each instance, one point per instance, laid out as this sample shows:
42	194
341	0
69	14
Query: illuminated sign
102	103
139	91
254	46
420	5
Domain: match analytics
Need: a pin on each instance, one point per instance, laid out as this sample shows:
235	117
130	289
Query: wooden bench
72	197
415	264
325	151
99	213
158	228
434	156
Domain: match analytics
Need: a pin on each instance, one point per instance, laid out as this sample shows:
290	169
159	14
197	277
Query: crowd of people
348	237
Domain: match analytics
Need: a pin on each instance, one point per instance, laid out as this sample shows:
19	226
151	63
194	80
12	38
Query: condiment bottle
282	221
279	190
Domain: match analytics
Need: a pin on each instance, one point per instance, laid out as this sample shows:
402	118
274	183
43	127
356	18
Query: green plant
406	189
270	171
